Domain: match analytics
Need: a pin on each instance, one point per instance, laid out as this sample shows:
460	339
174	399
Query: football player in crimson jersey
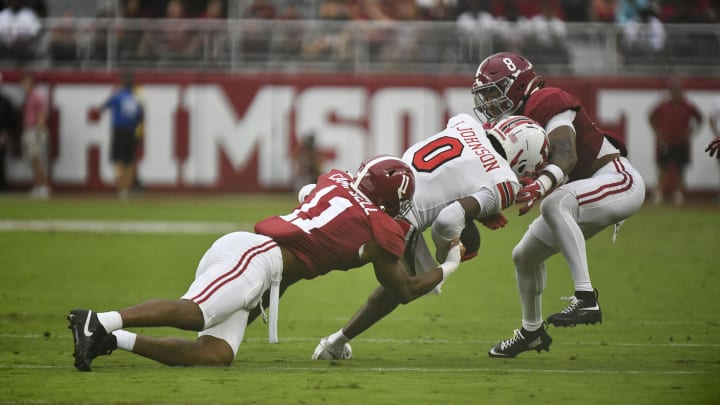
344	223
462	173
586	186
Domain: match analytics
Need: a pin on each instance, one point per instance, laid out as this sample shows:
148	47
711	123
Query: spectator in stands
629	10
329	41
34	137
214	27
129	35
19	32
603	10
173	38
476	26
687	11
372	10
261	9
476	21
511	29
403	42
673	120
62	45
255	34
381	31
547	42
288	38
576	10
643	37
437	10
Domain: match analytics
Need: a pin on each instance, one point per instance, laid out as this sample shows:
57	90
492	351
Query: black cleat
90	338
522	341
577	313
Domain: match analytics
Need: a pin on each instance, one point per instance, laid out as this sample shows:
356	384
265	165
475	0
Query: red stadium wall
236	132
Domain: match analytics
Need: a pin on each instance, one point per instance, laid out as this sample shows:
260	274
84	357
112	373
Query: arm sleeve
494	200
564	118
447	226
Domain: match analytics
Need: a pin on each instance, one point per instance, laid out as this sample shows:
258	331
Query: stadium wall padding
235	132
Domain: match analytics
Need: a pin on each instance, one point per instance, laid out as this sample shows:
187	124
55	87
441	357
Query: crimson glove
494	221
529	194
714	148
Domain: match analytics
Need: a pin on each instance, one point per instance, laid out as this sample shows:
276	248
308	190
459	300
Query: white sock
125	339
338	339
110	320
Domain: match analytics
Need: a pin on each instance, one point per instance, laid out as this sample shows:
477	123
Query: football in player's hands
470	238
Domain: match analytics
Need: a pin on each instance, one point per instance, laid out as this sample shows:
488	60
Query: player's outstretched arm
392	274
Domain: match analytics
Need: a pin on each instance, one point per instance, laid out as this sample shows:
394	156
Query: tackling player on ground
342	224
586	186
461	174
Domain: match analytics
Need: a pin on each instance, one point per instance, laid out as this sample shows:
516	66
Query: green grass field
659	343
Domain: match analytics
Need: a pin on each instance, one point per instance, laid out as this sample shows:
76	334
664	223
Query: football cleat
89	337
522	341
577	313
326	351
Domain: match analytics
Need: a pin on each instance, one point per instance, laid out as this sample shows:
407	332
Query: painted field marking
333	369
412	341
102	226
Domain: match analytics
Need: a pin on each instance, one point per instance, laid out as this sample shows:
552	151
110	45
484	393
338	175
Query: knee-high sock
560	211
529	257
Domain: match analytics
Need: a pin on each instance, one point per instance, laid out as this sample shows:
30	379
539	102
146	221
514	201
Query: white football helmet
524	143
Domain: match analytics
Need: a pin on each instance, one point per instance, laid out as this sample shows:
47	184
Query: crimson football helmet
524	142
503	82
388	182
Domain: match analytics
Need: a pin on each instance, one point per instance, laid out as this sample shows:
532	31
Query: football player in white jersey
463	173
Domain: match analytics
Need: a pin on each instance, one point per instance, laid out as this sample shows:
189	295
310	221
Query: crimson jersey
547	102
328	230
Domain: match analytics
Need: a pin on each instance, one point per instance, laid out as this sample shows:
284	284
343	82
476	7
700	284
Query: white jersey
458	162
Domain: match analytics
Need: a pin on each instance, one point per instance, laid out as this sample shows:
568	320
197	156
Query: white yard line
350	368
100	226
414	341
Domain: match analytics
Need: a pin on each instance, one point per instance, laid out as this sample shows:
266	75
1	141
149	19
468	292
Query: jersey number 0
436	153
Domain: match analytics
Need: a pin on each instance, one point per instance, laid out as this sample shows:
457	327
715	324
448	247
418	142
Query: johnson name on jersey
455	163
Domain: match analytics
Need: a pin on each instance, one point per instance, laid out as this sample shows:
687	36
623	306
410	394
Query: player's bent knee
215	352
518	256
557	201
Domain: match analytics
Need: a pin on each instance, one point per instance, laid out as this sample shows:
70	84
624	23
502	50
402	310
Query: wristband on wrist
545	182
555	173
448	268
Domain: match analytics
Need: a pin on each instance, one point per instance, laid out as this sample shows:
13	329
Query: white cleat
326	351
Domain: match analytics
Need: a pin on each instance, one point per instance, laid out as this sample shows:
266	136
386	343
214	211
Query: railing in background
360	47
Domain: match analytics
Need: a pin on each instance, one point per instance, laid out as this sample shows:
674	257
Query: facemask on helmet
388	182
502	83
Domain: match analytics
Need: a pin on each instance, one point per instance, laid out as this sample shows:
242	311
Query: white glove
326	351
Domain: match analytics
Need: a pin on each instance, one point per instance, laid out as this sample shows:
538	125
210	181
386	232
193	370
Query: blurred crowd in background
188	30
668	11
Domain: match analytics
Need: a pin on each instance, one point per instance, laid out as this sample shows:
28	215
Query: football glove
531	192
494	221
326	351
714	148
